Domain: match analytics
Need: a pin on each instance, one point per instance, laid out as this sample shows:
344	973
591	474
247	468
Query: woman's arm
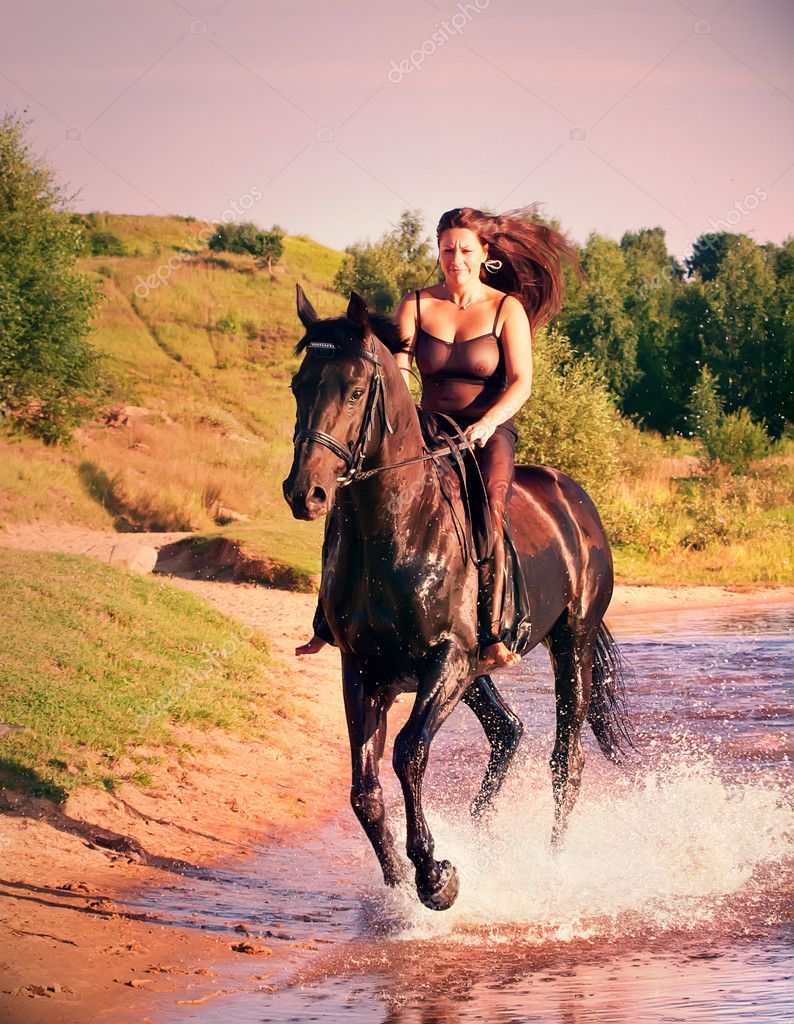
405	318
516	340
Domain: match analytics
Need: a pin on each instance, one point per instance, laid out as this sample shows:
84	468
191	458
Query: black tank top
461	378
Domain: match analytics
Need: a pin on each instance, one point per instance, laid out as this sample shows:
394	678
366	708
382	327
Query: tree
708	252
595	318
744	295
654	279
48	370
382	272
246	238
705	407
735	439
269	247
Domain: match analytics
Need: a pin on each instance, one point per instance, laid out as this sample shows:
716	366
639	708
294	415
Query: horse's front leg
366	708
441	686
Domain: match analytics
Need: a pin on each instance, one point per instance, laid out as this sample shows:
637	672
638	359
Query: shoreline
66	893
630	600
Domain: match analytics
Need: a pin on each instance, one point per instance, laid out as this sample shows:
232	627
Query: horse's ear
306	310
357	310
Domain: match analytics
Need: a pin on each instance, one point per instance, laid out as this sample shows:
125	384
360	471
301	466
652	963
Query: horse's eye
357	394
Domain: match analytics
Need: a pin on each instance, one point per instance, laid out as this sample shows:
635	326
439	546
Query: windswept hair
532	257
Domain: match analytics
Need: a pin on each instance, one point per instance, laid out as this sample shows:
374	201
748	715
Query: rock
7	727
250	949
120	844
121	416
74	887
134	557
117	418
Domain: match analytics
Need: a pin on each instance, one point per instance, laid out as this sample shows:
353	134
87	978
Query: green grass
96	661
148	236
765	560
37	482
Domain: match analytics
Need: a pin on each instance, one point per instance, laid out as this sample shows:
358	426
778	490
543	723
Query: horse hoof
445	892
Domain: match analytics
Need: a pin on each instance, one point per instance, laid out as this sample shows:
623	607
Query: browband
329	349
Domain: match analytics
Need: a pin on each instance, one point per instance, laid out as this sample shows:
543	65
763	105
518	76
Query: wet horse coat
400	594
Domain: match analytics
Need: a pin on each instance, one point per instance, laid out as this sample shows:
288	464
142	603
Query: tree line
655	326
652	325
710	341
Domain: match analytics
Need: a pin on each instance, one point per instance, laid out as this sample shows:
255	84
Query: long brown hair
531	254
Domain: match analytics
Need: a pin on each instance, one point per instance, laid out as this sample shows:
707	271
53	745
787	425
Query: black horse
399	589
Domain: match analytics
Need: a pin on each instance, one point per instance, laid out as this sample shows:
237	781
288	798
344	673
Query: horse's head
340	402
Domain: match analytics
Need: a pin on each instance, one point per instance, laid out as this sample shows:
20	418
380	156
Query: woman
471	337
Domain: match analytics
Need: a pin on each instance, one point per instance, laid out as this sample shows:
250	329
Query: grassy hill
198	419
200	365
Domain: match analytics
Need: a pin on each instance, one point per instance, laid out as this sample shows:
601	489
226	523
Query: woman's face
461	254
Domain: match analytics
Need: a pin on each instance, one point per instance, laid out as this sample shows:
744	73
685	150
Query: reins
353	458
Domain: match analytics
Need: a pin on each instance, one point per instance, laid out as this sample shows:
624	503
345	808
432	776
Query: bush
738	440
266	246
571	421
48	371
735	439
105	243
229	323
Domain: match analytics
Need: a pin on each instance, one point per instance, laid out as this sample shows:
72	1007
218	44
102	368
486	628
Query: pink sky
614	115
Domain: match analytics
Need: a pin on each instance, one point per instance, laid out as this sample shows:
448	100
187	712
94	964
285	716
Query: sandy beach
71	949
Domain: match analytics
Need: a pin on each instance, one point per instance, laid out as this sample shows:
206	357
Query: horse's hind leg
503	729
572	659
366	708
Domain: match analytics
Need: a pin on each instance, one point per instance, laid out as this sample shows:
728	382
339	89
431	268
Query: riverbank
74	950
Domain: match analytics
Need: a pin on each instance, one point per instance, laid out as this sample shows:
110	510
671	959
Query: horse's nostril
316	496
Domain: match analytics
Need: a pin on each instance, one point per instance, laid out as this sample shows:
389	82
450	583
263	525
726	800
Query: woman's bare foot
312	647
497	656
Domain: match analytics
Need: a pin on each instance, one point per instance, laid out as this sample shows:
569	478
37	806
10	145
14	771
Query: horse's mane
348	336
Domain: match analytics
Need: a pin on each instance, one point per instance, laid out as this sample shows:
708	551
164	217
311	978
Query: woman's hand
481	432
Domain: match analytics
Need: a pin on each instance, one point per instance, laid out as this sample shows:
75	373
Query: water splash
673	849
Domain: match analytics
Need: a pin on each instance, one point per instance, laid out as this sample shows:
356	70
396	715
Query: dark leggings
496	460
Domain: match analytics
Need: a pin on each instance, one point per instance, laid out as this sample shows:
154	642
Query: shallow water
669	901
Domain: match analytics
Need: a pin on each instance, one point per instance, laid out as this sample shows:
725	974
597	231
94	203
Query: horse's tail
608	713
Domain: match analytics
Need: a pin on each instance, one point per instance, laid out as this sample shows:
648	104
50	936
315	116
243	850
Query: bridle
376	401
354	457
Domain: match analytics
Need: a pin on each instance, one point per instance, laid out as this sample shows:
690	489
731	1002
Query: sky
331	118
